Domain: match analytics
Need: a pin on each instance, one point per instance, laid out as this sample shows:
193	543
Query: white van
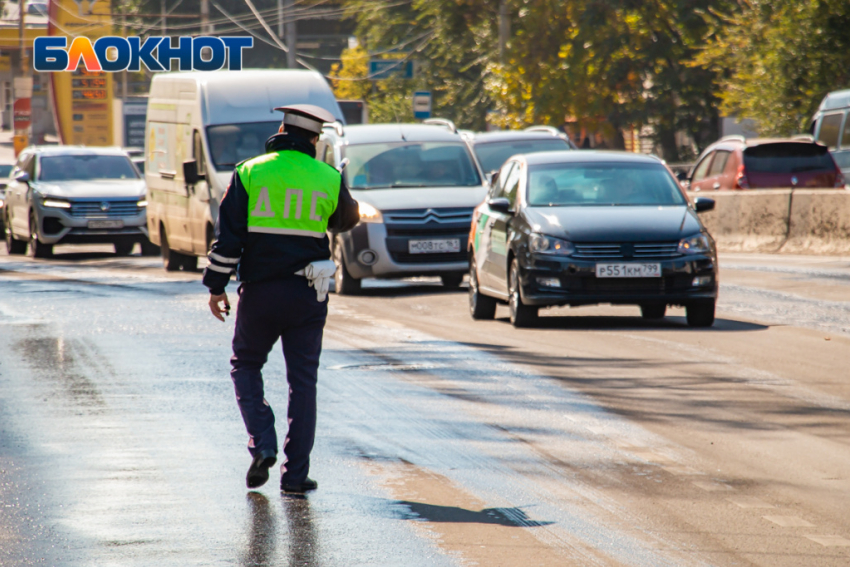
199	126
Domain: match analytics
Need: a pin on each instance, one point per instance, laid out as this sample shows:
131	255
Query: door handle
167	174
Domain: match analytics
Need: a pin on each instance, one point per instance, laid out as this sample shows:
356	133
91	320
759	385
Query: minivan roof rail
550	129
733	137
444	122
337	127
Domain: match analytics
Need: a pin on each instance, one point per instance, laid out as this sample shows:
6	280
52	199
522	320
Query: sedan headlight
368	213
56	203
542	244
143	203
697	244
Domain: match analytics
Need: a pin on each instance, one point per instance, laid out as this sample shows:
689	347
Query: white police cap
307	116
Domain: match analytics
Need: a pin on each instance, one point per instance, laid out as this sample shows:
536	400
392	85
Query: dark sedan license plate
630	270
106	224
437	246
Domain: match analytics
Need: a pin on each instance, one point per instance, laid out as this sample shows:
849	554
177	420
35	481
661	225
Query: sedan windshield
412	164
85	167
234	143
492	155
5	169
594	184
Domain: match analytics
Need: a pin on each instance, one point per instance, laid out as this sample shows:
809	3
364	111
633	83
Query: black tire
13	245
521	315
452	280
481	307
149	248
701	313
344	283
38	249
653	311
190	263
172	261
124	248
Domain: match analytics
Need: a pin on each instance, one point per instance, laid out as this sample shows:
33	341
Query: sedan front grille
104	209
425	216
626	250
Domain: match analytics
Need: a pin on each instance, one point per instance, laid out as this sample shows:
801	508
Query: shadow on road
511	517
262	532
617	323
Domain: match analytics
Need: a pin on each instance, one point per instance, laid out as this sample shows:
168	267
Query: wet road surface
597	439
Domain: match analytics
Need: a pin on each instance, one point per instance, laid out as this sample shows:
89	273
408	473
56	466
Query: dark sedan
583	228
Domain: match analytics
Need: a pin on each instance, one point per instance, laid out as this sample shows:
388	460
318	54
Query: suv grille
628	250
95	209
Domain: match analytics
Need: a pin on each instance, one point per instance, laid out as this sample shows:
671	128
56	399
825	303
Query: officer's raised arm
231	231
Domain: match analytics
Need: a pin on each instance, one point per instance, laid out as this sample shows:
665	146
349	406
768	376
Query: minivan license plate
106	224
442	246
630	270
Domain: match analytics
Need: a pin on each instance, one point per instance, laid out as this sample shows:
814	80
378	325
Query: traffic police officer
272	228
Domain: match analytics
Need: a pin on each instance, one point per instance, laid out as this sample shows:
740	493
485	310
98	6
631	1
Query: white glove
319	274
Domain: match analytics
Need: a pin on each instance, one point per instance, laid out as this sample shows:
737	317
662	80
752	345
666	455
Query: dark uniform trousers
268	310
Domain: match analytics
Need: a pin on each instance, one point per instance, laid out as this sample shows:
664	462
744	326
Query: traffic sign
422	105
386	68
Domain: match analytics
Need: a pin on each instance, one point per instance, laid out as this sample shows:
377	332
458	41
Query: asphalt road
596	439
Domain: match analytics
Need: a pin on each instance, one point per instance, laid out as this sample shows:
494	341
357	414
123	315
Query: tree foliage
776	60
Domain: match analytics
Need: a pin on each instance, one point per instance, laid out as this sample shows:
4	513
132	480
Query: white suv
417	185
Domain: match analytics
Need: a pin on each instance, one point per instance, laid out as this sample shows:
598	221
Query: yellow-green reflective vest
289	193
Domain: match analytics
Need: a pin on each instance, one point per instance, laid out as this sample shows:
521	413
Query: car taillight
840	182
741	181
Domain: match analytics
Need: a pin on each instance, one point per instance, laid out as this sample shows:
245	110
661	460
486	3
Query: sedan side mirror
702	204
499	205
190	172
23	177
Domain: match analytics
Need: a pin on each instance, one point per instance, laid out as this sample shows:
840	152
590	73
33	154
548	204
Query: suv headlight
56	203
697	244
368	213
542	244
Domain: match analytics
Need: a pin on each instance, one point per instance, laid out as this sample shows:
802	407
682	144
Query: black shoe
299	488
258	473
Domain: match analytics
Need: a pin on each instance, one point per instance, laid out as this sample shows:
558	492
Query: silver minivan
831	127
417	185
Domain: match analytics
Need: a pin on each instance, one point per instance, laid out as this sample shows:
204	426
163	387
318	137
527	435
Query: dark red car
737	163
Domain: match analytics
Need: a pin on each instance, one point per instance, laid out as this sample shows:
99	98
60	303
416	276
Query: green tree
778	58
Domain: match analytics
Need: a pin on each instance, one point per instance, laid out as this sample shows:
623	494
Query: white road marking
789	521
749	502
830	540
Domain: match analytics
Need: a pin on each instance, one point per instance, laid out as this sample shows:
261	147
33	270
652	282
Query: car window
702	168
81	167
198	153
845	137
719	163
5	170
234	143
603	184
829	129
410	165
504	173
787	157
509	190
491	155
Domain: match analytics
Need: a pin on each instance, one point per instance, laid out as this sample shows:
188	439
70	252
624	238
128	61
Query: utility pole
280	20
291	36
22	88
205	18
504	29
